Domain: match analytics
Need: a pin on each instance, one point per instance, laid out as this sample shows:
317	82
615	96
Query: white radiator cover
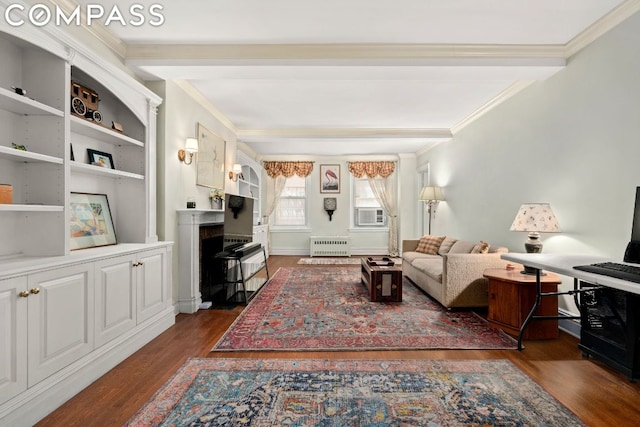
330	246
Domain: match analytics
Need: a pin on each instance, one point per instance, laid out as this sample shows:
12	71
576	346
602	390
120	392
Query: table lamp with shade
535	218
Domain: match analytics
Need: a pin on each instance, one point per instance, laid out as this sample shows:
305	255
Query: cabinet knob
23	294
35	291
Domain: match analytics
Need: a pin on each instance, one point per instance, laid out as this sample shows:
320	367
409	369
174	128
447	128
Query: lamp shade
535	217
191	145
237	168
431	193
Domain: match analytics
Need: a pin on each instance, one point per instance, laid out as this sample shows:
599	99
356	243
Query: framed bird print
329	178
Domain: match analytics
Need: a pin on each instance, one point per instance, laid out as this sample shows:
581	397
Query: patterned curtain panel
371	169
274	190
288	169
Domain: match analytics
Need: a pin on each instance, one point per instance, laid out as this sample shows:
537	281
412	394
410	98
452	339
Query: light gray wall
572	141
178	117
368	243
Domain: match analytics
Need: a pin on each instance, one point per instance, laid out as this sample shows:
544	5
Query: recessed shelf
98	170
104	134
30	208
19	104
27	156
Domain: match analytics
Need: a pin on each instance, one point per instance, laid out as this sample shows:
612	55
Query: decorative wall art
211	159
91	224
98	158
329	178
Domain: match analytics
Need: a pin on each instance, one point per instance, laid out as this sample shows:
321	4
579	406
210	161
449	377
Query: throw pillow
462	247
480	248
446	245
429	244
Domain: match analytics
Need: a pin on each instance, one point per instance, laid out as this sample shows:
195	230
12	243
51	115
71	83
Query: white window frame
283	228
352	208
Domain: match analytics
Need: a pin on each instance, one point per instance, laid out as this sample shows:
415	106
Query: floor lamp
430	196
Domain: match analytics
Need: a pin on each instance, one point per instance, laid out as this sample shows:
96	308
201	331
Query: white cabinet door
13	337
151	274
115	298
61	319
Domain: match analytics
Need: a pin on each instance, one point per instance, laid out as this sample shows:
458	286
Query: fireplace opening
212	271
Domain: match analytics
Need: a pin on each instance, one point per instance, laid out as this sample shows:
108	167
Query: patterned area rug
337	261
328	309
249	392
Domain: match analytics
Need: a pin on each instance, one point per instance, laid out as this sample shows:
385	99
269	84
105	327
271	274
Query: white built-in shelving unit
70	316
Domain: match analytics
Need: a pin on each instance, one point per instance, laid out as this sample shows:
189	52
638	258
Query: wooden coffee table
383	279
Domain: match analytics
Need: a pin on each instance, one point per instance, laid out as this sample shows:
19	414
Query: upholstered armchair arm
462	277
410	245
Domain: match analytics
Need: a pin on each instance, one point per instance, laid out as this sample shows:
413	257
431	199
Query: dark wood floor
597	394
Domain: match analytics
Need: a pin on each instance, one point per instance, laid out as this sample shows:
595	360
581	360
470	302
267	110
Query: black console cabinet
610	328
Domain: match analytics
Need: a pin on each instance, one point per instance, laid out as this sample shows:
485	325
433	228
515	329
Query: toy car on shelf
84	102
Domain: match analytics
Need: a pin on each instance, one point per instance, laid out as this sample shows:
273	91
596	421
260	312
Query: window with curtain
367	211
291	210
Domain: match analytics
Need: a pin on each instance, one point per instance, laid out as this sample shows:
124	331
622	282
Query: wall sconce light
235	172
330	204
190	148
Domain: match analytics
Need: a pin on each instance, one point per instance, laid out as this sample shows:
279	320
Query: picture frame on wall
99	158
91	224
210	160
329	178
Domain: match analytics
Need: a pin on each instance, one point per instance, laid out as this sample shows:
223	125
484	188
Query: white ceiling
358	76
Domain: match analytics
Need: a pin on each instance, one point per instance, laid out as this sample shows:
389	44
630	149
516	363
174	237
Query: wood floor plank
595	393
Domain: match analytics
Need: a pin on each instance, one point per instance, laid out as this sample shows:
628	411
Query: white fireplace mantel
189	223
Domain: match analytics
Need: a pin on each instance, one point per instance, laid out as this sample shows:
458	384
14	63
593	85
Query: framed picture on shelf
91	224
329	178
98	158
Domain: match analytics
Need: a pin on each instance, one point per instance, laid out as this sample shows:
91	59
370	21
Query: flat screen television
632	253
238	220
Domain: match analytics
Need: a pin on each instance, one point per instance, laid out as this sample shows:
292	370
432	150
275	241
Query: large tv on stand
238	220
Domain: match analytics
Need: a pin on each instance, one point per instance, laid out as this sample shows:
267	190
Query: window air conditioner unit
372	217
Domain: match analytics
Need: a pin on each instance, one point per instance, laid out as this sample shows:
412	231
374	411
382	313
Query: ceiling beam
345	133
411	54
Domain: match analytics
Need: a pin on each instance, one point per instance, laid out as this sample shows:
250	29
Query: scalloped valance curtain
371	169
287	169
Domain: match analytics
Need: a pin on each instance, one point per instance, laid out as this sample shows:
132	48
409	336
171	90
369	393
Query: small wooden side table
384	282
512	295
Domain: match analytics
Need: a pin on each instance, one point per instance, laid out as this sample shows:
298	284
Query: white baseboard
570	326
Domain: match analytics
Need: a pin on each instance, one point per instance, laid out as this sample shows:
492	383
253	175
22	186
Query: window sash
291	210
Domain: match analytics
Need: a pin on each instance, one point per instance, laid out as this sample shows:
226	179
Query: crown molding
497	100
96	29
345	133
204	102
601	26
429	147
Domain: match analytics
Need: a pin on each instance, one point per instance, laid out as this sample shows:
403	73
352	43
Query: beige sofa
454	276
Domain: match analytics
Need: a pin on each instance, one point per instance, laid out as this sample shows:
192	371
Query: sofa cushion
432	267
446	245
412	256
480	248
429	244
462	247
